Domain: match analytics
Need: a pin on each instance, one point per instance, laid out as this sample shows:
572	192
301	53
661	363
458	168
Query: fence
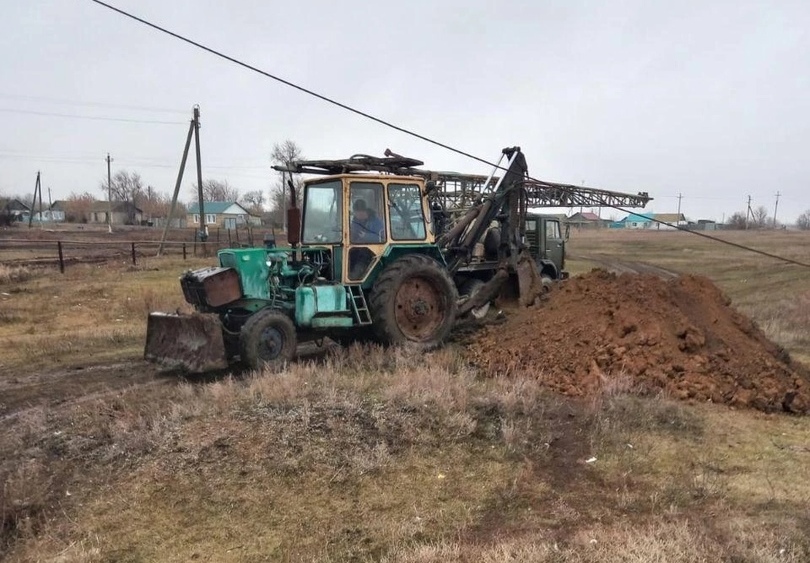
62	248
61	253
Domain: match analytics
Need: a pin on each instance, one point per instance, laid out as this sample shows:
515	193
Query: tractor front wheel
413	302
267	340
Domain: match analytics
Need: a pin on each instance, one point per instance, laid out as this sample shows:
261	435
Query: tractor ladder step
359	306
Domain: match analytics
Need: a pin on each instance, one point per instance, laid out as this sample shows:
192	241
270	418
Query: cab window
322	213
405	210
367	220
553	230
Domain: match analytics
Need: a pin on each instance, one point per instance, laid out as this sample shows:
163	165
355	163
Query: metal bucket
191	342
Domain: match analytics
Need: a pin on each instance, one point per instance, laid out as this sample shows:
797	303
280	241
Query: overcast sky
707	99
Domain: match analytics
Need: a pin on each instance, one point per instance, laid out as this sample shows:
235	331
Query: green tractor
374	254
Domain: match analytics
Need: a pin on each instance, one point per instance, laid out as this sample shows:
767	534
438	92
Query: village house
13	210
223	214
586	220
123	213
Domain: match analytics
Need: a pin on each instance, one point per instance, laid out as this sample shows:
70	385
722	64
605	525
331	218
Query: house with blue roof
224	214
634	221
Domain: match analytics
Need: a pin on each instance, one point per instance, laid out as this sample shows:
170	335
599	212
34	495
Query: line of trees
758	218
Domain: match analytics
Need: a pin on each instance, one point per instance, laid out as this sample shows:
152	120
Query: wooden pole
203	227
176	187
61	257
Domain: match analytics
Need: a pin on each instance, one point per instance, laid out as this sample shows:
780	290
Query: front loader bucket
192	342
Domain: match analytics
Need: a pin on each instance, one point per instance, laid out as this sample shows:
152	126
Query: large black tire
267	340
413	302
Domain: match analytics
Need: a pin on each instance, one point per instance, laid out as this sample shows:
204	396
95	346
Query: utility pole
109	192
680	197
203	229
37	190
748	213
775	207
191	129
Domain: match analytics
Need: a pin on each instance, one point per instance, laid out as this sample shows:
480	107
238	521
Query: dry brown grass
89	315
14	274
375	453
371	454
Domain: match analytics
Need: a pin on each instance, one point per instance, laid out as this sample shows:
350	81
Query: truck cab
546	242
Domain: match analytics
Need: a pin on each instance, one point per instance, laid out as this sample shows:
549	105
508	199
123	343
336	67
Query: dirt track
626	267
63	387
69	386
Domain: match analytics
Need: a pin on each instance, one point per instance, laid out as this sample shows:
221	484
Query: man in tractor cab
366	227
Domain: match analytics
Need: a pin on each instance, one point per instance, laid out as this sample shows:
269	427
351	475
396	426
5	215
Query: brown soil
601	330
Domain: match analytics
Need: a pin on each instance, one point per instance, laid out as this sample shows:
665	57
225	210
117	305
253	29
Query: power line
396	127
90	117
11	153
88	104
293	85
132	161
716	239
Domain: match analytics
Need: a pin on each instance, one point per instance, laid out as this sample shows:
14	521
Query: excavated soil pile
640	331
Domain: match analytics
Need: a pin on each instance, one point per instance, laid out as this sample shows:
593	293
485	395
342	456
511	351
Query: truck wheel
414	302
470	288
546	282
267	339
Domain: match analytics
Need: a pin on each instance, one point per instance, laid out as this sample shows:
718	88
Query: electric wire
293	85
397	127
90	117
89	104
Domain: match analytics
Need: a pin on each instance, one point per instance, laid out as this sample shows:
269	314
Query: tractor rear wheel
267	340
413	302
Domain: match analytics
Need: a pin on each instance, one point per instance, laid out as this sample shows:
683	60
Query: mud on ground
639	331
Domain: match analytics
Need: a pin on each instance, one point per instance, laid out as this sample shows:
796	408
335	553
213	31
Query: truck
379	249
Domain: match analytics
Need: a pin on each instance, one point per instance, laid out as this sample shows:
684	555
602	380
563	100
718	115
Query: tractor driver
365	227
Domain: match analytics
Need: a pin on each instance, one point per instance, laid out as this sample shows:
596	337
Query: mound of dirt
645	333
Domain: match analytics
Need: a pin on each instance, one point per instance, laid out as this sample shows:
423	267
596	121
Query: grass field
366	454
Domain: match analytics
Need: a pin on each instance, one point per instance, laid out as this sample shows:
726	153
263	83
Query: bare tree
215	190
737	220
156	204
284	153
803	222
125	187
255	201
78	207
759	217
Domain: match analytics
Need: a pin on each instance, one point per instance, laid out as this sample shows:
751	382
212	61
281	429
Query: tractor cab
362	219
